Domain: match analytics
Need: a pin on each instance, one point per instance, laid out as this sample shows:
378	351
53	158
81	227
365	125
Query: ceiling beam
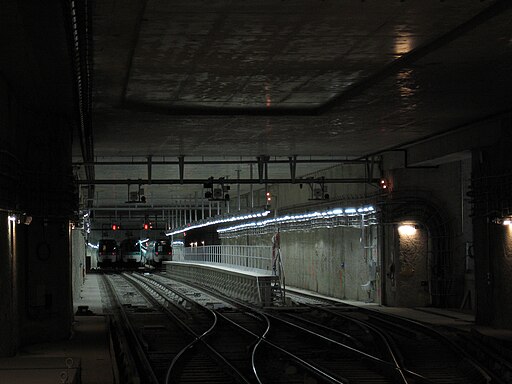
221	162
226	181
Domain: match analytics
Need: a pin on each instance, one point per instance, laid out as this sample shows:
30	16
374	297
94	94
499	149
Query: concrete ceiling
309	78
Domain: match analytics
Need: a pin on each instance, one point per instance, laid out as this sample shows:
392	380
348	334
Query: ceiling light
323	217
218	221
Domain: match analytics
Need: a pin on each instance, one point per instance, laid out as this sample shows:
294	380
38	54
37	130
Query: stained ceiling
329	79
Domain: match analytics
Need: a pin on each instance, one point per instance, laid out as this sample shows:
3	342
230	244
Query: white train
108	253
158	251
131	253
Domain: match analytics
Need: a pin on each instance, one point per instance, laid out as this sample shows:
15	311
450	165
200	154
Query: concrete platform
248	284
83	358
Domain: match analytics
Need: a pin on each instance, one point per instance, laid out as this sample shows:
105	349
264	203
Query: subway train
131	253
158	251
108	253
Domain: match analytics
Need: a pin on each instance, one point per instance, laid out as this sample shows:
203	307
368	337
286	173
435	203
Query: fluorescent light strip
93	246
219	221
177	243
338	212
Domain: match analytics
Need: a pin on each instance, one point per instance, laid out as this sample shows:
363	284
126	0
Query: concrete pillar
8	313
492	204
78	252
43	247
44	281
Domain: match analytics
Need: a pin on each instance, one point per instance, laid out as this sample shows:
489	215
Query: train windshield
129	245
107	246
163	247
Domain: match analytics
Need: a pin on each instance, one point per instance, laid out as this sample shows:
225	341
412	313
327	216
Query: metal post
218	208
150	158
293	167
181	160
195	205
238	187
252	191
209	208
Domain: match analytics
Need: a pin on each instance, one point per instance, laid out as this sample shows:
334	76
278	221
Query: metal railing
237	256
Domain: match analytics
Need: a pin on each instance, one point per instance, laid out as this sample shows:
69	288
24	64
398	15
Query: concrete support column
8	312
491	196
44	280
43	247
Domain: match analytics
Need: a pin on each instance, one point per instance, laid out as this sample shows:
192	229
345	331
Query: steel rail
262	339
198	338
150	375
435	335
361	354
395	356
394	350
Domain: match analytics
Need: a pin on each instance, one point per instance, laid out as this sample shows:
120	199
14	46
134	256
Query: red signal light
146	226
115	227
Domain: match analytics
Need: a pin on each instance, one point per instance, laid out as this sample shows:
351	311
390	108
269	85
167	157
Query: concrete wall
8	296
78	254
44	281
333	261
501	248
330	261
412	270
492	203
443	187
286	196
36	179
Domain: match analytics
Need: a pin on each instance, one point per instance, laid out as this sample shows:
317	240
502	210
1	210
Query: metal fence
237	256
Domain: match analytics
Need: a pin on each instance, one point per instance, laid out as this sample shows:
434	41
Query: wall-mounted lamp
407	229
507	221
21	218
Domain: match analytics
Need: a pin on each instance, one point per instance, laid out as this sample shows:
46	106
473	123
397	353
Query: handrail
238	256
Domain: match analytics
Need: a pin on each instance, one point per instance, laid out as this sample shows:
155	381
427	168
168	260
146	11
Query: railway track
423	354
240	338
204	339
334	357
186	348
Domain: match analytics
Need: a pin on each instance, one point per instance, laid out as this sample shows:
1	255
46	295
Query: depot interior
374	136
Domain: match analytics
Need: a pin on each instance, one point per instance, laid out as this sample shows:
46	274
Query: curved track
191	336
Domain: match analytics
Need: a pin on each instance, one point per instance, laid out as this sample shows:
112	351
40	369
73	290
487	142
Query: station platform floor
85	358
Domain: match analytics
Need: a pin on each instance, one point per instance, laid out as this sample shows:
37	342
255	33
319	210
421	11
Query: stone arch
422	208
